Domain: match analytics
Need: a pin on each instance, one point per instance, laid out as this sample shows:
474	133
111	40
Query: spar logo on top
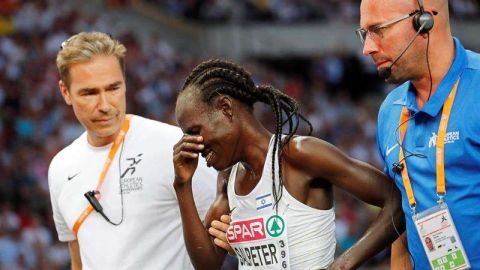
254	229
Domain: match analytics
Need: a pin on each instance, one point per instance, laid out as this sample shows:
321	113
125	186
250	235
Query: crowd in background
285	11
339	95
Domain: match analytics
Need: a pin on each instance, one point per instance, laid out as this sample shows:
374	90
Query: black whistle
90	195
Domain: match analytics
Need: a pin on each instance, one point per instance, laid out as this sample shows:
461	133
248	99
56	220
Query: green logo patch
275	226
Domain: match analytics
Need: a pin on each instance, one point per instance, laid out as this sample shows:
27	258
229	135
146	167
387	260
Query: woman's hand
185	158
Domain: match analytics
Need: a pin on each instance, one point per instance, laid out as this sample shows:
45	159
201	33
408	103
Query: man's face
97	95
386	44
429	243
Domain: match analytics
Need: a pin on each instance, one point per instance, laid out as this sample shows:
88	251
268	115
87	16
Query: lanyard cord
440	148
94	196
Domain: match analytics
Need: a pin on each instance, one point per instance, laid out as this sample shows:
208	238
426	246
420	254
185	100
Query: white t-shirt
150	236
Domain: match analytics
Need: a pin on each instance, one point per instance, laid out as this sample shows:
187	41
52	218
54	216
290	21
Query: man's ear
225	104
64	91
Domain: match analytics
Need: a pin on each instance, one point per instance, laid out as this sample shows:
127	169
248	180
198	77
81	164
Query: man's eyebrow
87	89
370	25
115	84
112	85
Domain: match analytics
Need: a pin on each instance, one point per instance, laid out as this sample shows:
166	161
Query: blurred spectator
285	11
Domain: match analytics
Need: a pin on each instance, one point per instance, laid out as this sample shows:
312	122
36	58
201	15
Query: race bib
440	239
260	242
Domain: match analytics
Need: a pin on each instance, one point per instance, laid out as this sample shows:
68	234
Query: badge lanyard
113	150
440	147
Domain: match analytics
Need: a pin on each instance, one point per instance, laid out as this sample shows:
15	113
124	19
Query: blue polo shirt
462	152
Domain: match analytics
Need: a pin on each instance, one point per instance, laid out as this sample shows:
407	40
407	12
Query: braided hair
215	77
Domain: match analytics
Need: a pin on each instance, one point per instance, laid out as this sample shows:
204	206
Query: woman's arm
203	253
320	159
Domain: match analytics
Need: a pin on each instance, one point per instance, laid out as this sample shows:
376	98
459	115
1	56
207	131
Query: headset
422	23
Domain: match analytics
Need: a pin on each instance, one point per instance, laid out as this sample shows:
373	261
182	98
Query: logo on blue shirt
450	137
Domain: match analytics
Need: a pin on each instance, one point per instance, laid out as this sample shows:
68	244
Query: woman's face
212	122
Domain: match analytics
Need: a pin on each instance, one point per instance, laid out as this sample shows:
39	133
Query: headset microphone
397	167
422	23
385	73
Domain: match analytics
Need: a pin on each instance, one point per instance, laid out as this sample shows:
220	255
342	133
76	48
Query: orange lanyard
440	147
113	150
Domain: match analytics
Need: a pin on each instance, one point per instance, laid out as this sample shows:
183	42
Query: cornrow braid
219	64
233	78
215	77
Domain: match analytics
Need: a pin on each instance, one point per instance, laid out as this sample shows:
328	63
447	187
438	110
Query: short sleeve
65	234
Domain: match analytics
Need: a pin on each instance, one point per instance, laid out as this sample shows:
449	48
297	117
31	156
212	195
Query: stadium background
305	47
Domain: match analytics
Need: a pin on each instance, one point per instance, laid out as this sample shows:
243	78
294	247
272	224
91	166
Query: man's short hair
85	46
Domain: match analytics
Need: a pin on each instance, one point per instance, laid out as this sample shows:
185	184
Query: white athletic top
258	233
150	236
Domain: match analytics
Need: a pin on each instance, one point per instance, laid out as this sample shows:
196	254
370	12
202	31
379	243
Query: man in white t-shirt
111	189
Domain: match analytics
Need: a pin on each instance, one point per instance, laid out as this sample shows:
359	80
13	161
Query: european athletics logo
264	201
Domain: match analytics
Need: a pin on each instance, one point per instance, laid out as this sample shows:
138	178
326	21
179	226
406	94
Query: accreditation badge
260	242
440	239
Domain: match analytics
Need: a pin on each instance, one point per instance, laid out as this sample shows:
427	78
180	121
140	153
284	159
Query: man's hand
400	258
185	158
218	230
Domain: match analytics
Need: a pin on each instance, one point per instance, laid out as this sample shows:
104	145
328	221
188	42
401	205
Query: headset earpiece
423	18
